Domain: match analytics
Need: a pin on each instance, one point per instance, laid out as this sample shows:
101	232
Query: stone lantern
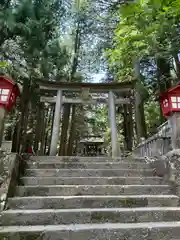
170	105
9	91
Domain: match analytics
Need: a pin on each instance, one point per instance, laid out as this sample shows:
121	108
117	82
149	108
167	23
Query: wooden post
113	127
55	131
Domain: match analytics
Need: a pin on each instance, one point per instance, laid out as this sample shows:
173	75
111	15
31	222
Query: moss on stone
133	202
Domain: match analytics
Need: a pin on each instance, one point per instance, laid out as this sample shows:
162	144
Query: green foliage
152	111
146	28
3	64
35	49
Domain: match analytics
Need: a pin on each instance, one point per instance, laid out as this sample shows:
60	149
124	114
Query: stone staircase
91	199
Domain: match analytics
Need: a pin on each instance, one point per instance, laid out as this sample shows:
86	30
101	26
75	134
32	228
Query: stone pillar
174	123
113	127
55	131
2	117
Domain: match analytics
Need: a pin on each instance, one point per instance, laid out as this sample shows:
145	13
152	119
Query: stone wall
168	167
9	172
6	146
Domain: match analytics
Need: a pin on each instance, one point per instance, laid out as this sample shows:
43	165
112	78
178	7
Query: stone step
71	202
86	159
86	165
103	231
90	180
87	172
84	216
71	190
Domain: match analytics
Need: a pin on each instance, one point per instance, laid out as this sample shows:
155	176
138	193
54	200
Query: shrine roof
94	87
174	89
10	81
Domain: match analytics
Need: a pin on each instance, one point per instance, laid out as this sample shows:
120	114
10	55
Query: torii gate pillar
56	124
113	127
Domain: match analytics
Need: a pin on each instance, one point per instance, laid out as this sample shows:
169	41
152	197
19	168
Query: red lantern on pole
170	101
9	91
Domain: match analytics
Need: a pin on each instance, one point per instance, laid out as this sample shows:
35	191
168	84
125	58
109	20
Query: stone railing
158	144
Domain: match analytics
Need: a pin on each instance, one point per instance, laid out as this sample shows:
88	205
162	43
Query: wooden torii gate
86	93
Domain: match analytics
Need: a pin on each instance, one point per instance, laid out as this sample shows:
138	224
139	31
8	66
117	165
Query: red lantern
9	91
170	101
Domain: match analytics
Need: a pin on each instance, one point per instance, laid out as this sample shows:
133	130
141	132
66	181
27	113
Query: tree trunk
177	67
64	129
21	125
125	131
65	124
164	79
15	135
39	126
128	127
139	105
75	151
140	117
23	133
43	131
163	74
77	44
50	127
72	132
